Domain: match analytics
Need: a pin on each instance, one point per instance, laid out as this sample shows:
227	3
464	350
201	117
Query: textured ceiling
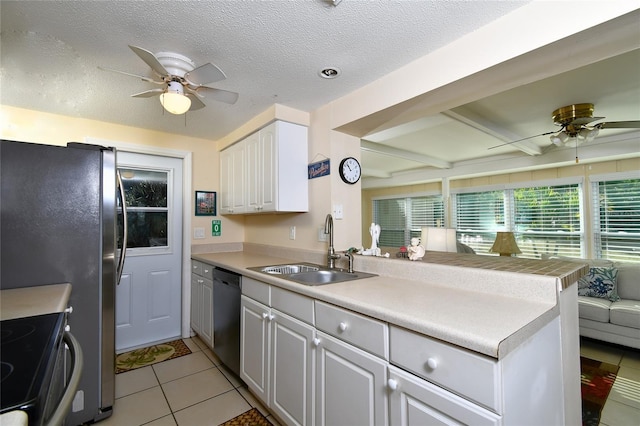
271	52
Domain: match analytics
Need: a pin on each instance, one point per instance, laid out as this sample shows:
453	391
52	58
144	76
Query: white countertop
30	301
489	312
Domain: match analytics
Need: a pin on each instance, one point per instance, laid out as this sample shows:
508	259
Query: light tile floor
197	390
623	404
194	389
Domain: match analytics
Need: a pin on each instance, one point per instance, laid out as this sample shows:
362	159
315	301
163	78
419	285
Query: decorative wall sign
216	228
320	168
205	203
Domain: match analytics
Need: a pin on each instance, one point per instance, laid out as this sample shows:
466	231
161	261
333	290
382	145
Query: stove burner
16	332
5	370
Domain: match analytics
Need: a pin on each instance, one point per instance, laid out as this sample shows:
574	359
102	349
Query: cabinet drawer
196	267
414	401
296	305
207	271
363	332
465	373
257	290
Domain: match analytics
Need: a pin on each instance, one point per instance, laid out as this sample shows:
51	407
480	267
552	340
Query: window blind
544	219
403	218
478	216
616	224
547	221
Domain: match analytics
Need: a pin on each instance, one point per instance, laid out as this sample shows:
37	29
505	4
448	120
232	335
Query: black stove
30	349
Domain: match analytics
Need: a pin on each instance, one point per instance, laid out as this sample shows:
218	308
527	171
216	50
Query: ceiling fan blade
218	94
205	74
196	103
150	59
148	93
634	124
150	80
524	139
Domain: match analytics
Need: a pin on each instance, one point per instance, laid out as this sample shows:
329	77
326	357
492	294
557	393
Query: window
544	219
616	219
403	218
147	209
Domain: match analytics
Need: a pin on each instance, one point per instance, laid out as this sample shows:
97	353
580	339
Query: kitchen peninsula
487	339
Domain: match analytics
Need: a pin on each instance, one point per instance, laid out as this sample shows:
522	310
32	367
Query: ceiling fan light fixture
560	139
174	100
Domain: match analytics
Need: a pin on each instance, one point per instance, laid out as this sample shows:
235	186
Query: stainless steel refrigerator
58	224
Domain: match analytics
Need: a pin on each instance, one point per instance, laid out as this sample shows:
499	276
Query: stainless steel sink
311	274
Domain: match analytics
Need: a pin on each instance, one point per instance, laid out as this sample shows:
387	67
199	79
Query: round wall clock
350	170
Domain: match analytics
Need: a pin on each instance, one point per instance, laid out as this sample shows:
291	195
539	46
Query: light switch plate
292	232
198	233
337	211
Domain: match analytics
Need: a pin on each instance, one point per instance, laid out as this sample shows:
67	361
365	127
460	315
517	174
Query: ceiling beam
470	118
406	155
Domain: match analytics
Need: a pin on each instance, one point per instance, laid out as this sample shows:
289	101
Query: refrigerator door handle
123	251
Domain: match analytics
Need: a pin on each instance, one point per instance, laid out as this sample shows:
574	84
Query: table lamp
505	244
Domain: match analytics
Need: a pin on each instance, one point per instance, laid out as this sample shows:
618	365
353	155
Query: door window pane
147	209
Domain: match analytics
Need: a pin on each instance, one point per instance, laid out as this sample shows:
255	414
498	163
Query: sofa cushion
594	308
599	282
628	281
626	313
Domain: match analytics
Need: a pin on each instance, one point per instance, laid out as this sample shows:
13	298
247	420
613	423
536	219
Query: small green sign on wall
216	228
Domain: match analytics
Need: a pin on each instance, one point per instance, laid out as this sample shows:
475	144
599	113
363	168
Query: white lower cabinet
277	360
416	402
350	387
313	363
202	301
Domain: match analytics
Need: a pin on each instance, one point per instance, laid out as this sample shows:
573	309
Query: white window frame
594	193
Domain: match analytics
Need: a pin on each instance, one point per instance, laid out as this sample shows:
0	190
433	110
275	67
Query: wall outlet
292	232
321	235
198	233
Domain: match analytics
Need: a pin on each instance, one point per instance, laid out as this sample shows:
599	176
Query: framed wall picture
205	203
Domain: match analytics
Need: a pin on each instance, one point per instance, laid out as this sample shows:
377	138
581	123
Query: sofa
609	302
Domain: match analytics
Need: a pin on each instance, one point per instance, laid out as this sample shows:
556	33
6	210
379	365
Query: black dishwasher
227	288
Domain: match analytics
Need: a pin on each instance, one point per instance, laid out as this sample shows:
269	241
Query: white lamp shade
174	100
439	239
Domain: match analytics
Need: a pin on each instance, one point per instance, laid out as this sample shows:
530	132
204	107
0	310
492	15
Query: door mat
252	417
137	358
597	380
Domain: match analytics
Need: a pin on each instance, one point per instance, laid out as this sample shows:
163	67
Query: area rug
137	358
252	417
597	380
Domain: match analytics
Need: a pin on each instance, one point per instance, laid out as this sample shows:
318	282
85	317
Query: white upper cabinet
266	171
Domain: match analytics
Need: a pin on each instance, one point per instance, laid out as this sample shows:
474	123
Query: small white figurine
416	251
374	230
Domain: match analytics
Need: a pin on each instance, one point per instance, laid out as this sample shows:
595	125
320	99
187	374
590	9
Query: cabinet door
196	288
226	181
238	173
350	385
292	363
206	312
268	183
254	346
254	172
416	402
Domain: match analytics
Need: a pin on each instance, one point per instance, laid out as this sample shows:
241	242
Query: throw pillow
600	282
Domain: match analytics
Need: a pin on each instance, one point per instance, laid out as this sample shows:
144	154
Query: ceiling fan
575	125
183	85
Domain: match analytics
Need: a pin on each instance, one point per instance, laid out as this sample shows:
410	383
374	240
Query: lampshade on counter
439	239
505	244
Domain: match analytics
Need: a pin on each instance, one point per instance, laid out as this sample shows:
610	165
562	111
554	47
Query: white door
148	299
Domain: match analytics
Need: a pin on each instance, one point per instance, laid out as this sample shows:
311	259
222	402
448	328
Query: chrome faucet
331	254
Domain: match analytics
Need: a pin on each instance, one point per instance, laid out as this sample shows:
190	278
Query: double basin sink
311	274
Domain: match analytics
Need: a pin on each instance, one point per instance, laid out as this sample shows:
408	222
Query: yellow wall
39	127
